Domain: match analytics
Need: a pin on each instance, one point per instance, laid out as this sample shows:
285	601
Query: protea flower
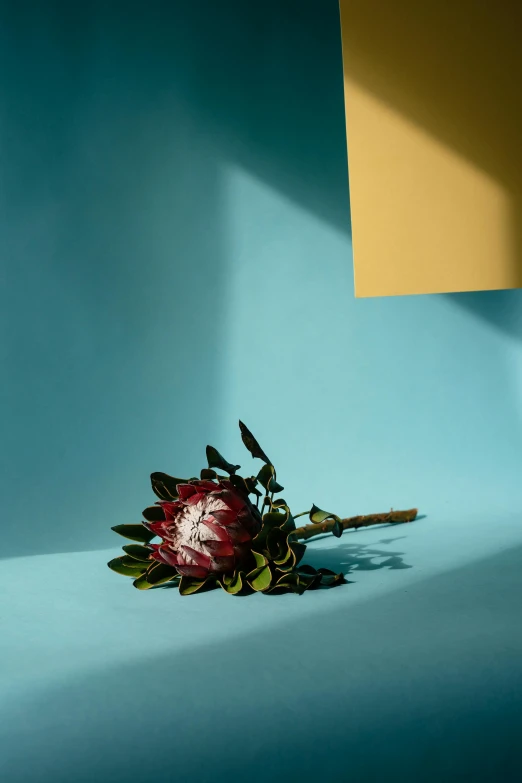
213	536
209	529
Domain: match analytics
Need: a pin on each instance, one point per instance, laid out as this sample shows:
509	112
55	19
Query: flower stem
353	523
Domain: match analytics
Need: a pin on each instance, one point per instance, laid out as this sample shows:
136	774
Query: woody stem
353	523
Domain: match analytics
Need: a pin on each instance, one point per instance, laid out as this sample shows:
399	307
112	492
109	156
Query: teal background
176	254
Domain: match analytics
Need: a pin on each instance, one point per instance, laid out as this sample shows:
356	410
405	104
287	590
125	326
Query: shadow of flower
355	557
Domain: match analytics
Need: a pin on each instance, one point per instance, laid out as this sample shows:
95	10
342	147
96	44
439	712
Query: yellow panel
433	94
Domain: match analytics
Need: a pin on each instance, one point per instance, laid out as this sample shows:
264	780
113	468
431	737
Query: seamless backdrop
175	254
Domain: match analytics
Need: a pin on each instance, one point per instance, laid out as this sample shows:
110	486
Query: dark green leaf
141	583
138	552
239	483
121	566
251	485
134	532
337	529
273	486
164	486
265	475
154	513
160	573
292	582
232	583
277	546
330	578
208	474
298	550
188	585
252	444
215	460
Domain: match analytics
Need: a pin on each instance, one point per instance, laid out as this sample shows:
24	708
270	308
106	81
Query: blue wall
175	252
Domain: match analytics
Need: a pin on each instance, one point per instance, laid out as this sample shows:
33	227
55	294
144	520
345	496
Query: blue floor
411	672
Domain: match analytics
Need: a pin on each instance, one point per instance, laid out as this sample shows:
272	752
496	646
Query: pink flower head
209	529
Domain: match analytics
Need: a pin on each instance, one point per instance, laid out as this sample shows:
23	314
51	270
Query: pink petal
238	534
198	557
192	570
225	516
158	528
218	530
219	548
231	496
223	565
171	509
206	486
169	556
196	498
185	491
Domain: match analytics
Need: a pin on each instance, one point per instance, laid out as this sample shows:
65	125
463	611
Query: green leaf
160	573
164	486
296	554
239	483
207	474
317	515
265	475
260	579
141	583
232	583
252	444
292	582
216	460
134	532
120	566
277	545
251	485
188	585
273	519
138	552
273	486
260	559
298	550
154	513
337	529
330	578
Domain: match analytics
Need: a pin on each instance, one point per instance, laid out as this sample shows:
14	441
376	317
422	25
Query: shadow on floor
348	558
422	684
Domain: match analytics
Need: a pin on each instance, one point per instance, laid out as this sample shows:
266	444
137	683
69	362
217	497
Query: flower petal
169	556
219	548
238	534
192	570
225	516
171	509
223	565
196	498
205	486
186	491
231	497
198	557
160	529
219	531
